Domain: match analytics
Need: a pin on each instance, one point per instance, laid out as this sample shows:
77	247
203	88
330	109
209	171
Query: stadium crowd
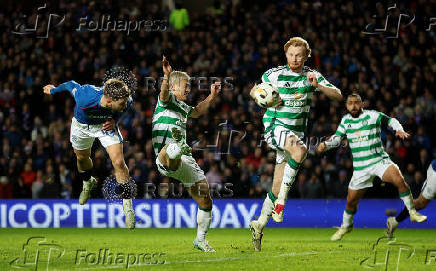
238	40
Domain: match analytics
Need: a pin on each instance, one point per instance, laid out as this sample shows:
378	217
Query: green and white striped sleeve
322	81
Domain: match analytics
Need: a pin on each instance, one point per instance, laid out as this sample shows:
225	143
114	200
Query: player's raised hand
215	88
166	66
109	124
402	134
47	89
311	77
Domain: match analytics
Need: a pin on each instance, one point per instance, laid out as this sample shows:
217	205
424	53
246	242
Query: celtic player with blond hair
173	155
285	125
362	129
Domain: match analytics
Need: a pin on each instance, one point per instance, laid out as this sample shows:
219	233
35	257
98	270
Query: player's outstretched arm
204	105
164	95
333	142
71	86
395	125
331	91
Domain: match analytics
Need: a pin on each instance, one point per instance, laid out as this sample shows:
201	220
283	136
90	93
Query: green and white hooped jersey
296	93
363	135
173	113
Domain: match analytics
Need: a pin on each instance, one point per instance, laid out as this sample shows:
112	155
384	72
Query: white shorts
429	187
276	139
83	135
363	178
188	172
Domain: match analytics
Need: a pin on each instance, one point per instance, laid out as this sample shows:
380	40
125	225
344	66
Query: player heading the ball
96	113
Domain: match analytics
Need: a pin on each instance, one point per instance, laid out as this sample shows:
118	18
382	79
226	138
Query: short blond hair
298	41
177	76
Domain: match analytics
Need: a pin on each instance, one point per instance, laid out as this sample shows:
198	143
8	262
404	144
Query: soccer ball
266	95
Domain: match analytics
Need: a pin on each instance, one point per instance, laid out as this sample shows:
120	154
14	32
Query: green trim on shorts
404	194
350	212
271	196
205	209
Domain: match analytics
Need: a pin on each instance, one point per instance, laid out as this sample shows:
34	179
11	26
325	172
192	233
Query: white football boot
278	212
129	213
203	246
256	235
391	226
86	190
416	217
340	233
179	138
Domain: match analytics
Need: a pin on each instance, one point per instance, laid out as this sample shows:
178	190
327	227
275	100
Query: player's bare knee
119	164
300	153
206	202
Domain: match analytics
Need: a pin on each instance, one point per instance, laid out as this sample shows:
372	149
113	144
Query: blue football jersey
88	109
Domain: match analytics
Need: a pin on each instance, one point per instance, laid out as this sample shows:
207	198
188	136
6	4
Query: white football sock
347	219
173	151
407	198
203	220
288	179
266	211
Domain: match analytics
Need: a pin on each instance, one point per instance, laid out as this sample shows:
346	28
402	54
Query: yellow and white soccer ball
266	95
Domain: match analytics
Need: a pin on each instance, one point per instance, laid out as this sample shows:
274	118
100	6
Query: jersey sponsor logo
360	139
292	103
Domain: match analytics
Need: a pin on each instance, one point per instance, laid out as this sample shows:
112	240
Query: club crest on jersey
297	95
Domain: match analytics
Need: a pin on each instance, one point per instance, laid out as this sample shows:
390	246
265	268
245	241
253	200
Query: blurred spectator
28	175
237	40
179	17
6	189
37	185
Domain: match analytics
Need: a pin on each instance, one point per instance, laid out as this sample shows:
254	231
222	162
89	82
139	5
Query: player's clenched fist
311	77
215	88
47	89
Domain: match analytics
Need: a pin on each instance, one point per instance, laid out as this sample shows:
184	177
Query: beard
356	113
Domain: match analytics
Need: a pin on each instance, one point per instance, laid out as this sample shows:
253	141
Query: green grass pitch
171	249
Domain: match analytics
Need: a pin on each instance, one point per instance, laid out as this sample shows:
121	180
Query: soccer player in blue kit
96	112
